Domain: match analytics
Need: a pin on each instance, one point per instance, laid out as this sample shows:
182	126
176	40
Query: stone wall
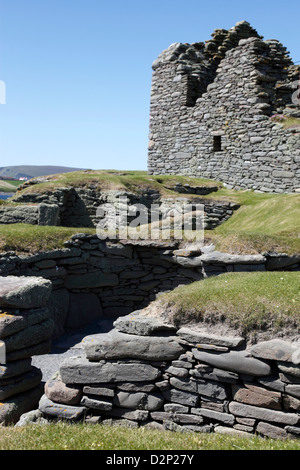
26	329
147	373
222	129
93	279
77	207
34	214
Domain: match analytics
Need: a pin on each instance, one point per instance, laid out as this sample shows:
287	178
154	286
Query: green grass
63	436
264	222
25	238
112	179
248	302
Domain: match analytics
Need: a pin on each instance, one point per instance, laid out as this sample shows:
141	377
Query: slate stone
24	292
139	400
225	418
30	336
216	257
203	337
234	361
78	370
264	414
34	350
14	407
289	368
134	415
142	325
13	323
15	368
116	345
56	410
277	350
271	431
20	383
179	396
96	404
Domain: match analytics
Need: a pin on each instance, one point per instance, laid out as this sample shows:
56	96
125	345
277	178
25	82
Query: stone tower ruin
212	112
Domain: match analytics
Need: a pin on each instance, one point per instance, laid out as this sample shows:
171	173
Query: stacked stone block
145	372
26	329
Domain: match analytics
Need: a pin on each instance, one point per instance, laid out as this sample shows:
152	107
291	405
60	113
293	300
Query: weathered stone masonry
44	295
210	112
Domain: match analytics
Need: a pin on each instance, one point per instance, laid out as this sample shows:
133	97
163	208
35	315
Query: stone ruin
144	371
214	112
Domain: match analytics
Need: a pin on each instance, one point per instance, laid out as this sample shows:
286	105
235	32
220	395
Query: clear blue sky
78	72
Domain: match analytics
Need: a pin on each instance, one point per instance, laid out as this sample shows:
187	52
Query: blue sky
78	72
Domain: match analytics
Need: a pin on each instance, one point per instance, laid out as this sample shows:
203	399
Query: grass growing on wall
25	238
246	301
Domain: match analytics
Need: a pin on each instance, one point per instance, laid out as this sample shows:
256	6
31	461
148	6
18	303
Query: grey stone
278	350
271	431
182	397
16	406
116	345
56	410
142	325
24	292
225	418
48	214
234	361
139	400
96	404
194	336
30	336
31	417
78	370
13	369
20	383
264	414
13	323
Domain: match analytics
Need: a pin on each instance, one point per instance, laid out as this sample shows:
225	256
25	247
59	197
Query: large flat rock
79	370
24	292
116	345
234	361
138	324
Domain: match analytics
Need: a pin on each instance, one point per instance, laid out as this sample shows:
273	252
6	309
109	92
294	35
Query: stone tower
212	108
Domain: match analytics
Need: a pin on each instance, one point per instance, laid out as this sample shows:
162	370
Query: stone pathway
68	345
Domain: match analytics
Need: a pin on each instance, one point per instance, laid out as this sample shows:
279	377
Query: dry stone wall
93	279
148	373
225	132
26	328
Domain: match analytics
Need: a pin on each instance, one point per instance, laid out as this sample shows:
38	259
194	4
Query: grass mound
250	303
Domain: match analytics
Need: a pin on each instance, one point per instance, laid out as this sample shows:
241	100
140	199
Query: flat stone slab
20	384
50	408
264	414
234	361
278	350
78	370
207	338
24	292
116	345
138	324
13	408
216	257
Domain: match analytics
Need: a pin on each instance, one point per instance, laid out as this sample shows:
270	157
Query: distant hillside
31	171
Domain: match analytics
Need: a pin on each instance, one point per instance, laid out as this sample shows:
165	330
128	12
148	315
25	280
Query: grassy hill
31	171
